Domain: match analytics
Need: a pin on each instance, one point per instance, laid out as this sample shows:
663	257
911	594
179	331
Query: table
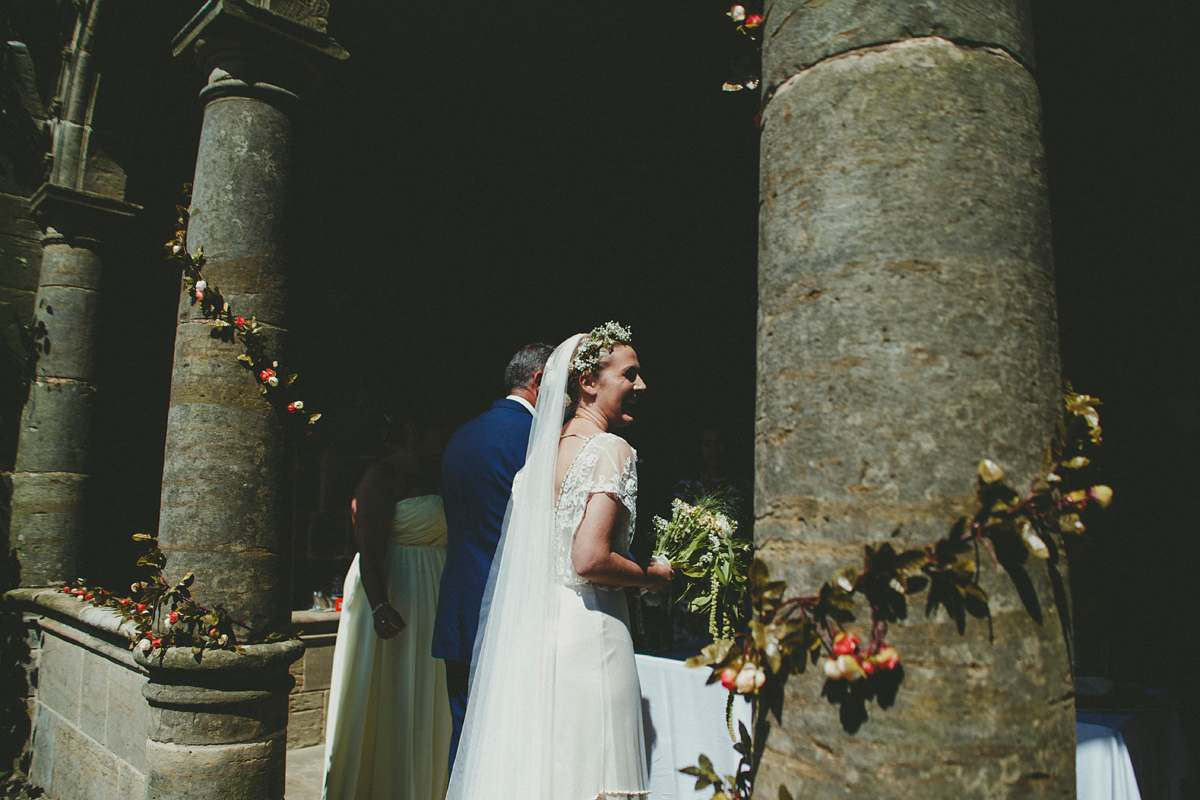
1103	769
684	718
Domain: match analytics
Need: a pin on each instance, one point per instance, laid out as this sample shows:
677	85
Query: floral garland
181	621
271	378
787	633
602	337
746	65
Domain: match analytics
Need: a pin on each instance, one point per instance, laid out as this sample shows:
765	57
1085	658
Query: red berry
173	617
753	20
240	322
291	407
140	607
844	643
156	643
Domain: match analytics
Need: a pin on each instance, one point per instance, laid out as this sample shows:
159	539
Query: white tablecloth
1103	769
684	718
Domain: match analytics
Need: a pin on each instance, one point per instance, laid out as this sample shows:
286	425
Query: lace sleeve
614	471
606	465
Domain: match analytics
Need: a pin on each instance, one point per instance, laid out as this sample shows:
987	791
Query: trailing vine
164	614
786	633
273	381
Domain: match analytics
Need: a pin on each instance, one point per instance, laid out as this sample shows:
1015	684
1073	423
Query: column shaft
223	513
906	331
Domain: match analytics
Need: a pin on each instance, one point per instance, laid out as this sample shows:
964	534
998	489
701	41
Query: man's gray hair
529	359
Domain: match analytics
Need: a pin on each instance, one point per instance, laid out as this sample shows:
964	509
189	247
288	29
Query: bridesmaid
388	734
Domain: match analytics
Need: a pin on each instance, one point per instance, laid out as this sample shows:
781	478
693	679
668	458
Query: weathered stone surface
93	697
87	770
906	298
131	783
47	525
71	264
207	373
239	204
16	221
129	719
56	427
60	678
70	317
252	771
306	727
907	330
803	32
219	721
43	745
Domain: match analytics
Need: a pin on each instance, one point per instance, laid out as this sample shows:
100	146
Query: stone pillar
51	474
906	331
218	726
223	513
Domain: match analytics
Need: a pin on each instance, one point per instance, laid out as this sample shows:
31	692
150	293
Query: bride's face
618	386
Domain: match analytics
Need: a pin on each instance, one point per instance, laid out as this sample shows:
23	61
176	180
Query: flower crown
602	337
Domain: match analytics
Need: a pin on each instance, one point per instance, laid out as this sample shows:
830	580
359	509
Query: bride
555	706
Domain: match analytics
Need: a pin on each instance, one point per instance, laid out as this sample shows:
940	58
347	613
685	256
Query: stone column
223	513
221	722
218	726
906	331
51	474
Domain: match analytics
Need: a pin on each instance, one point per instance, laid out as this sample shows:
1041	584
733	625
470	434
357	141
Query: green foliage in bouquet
702	544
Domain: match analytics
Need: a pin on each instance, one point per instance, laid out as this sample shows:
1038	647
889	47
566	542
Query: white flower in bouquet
701	543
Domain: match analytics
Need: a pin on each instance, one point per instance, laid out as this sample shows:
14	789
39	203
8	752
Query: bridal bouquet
701	542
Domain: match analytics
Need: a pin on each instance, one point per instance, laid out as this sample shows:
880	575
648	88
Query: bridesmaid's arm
371	510
593	557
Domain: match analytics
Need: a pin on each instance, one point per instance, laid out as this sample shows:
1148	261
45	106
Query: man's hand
388	622
658	575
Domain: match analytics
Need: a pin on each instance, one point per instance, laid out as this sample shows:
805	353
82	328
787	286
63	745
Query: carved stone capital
251	47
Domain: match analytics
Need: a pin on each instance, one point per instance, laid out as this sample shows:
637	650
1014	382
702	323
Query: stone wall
309	700
89	716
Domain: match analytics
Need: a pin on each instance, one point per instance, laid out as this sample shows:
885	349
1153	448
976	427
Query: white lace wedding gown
555	709
599	745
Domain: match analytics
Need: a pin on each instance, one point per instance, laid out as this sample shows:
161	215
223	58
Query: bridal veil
507	739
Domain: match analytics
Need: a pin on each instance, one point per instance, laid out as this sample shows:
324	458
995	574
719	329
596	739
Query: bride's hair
593	354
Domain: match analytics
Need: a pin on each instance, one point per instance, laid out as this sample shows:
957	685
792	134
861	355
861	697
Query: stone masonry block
318	660
805	32
129	716
252	770
43	743
306	728
83	769
70	315
56	427
60	676
131	783
93	697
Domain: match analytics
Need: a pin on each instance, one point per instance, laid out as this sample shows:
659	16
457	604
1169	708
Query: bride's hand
658	575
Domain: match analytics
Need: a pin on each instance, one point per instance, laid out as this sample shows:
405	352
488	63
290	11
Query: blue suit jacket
477	474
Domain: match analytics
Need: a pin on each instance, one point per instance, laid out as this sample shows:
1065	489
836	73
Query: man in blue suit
477	474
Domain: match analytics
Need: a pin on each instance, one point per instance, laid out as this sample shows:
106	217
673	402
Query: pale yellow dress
388	731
